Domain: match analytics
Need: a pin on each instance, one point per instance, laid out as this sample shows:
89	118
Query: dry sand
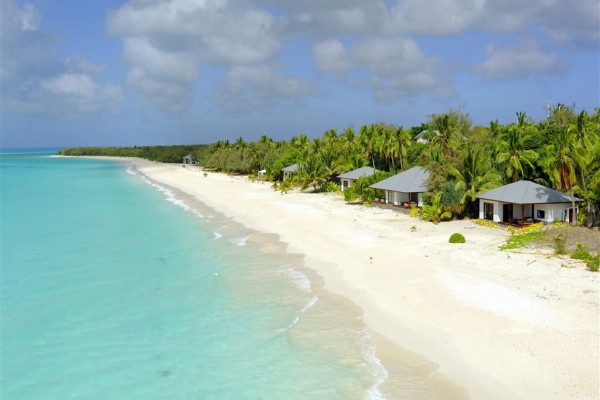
501	325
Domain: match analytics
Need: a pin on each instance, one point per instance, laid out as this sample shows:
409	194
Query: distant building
289	170
405	188
348	178
187	159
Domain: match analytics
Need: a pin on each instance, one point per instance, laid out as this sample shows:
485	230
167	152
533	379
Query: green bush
581	253
560	244
330	187
457	238
593	263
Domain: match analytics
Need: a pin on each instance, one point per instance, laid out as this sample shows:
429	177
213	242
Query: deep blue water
111	288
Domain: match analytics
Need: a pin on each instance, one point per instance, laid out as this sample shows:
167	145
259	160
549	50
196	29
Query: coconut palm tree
475	175
513	155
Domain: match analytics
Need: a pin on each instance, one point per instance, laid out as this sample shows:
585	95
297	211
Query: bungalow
348	178
405	188
289	170
426	136
525	201
187	159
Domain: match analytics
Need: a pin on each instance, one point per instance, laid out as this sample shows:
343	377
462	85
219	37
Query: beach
495	324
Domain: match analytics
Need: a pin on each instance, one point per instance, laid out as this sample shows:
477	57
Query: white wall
552	212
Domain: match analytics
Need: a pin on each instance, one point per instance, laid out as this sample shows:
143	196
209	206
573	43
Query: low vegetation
521	237
581	253
457	238
593	263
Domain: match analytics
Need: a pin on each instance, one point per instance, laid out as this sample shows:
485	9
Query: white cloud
166	43
250	87
28	17
215	31
158	63
36	82
79	94
396	67
331	56
172	97
522	61
80	64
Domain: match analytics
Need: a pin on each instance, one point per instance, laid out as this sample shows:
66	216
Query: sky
157	72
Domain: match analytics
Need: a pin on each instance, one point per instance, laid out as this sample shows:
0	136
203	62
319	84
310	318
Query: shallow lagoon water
114	287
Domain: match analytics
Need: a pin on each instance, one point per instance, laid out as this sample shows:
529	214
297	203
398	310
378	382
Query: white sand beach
501	325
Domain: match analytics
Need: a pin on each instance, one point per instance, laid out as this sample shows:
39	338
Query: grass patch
581	253
593	264
517	241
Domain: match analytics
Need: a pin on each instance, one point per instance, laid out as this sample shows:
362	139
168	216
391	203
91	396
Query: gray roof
357	173
188	156
526	192
291	168
409	181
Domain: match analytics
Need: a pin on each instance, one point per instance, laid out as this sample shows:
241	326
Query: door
507	213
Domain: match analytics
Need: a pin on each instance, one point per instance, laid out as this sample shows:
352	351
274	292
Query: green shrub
593	263
560	244
581	253
329	187
457	238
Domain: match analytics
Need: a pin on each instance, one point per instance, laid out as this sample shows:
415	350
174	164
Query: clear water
112	289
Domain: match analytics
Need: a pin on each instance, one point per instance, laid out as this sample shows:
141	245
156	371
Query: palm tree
513	155
560	162
368	140
475	175
312	172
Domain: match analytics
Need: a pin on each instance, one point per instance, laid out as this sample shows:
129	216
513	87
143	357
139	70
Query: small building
348	178
289	170
525	202
187	159
405	188
426	136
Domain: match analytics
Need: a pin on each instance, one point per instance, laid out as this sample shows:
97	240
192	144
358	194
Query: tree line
561	152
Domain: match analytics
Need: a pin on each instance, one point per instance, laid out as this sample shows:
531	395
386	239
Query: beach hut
405	188
525	202
289	170
348	178
426	136
187	159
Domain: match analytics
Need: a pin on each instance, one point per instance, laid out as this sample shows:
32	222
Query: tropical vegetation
561	152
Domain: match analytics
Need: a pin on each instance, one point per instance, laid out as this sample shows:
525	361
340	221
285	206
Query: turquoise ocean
113	287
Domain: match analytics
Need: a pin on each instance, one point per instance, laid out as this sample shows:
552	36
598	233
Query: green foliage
361	191
521	237
560	244
593	263
562	152
581	253
435	211
330	187
457	238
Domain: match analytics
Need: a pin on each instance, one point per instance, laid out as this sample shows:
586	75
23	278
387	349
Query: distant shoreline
499	324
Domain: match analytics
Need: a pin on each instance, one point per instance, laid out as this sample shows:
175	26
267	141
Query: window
488	211
540	214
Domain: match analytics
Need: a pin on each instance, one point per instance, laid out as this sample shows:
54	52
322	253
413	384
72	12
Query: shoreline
501	325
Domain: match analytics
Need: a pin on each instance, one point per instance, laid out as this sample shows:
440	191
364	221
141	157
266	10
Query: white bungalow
405	188
187	159
348	178
289	170
525	202
426	136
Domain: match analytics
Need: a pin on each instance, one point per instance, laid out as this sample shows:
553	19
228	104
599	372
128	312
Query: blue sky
144	72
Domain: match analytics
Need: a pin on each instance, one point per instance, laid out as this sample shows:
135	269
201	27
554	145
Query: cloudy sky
139	72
